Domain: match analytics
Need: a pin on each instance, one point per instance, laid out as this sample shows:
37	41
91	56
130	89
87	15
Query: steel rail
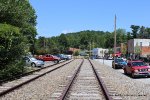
30	80
101	83
25	74
66	90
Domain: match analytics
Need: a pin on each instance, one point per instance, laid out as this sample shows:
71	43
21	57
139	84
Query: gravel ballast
42	88
125	86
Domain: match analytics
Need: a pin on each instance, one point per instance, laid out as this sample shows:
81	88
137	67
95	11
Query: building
99	52
73	50
139	47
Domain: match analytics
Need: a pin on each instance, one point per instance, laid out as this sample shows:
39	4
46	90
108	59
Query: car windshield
138	64
119	60
33	59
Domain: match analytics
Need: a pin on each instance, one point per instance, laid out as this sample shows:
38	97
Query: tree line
84	39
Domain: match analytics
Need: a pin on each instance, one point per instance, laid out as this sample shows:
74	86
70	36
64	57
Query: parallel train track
29	77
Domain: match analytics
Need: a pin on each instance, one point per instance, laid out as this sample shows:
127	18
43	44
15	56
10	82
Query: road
109	63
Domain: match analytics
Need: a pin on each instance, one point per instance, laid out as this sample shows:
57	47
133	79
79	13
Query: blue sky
63	16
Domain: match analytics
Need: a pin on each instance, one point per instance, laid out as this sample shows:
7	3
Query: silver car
31	61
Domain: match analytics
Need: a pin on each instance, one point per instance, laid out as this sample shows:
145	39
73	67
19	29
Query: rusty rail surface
25	74
62	97
102	84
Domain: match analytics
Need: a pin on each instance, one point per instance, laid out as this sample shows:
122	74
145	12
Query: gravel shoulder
42	88
126	87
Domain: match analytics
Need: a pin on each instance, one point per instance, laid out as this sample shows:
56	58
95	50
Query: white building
99	52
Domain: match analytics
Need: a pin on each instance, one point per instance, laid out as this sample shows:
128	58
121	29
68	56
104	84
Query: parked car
118	63
69	56
49	57
31	61
137	68
109	58
63	57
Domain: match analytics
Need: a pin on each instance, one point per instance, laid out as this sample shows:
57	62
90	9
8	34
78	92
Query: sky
64	16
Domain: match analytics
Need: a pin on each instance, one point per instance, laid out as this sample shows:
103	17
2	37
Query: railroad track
27	73
85	84
15	84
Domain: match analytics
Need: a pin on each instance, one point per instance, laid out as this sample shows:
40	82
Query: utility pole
114	39
115	36
103	55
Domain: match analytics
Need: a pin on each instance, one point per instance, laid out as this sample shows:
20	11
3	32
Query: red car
137	68
48	57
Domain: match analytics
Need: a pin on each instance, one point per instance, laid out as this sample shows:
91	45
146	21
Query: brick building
139	47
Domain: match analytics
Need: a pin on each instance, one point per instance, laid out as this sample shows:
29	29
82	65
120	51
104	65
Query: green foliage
17	33
12	45
63	40
121	36
110	51
142	32
128	36
135	30
124	49
19	13
81	40
76	53
139	32
137	49
13	69
109	42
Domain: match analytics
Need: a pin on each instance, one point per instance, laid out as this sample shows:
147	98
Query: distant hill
82	40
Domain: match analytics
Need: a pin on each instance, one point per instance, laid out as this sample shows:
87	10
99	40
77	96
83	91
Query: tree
135	30
76	53
124	49
63	43
63	40
12	44
121	36
12	48
109	43
19	13
17	33
147	33
137	49
142	32
128	36
81	40
84	41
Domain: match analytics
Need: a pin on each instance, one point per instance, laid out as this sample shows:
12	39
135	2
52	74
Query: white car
69	56
31	61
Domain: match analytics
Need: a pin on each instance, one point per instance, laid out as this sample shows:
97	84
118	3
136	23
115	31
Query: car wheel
125	72
33	64
114	66
132	75
56	61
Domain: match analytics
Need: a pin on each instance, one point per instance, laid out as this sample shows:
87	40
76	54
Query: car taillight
135	70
